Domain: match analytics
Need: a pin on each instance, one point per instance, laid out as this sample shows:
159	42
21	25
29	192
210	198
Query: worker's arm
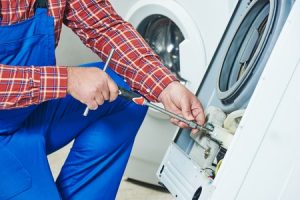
23	86
101	29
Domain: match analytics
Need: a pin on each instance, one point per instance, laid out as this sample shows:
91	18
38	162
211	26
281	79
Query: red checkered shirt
101	29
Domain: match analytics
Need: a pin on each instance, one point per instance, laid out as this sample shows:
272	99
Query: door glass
164	37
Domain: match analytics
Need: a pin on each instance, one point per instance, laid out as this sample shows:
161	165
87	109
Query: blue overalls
103	139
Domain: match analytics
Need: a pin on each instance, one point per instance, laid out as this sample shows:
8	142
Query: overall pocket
25	52
14	178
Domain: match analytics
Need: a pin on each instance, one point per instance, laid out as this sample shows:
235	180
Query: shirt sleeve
24	86
101	29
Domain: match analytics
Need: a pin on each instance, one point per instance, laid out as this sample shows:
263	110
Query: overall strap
41	4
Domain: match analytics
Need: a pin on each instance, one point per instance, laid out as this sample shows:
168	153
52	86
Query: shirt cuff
53	82
154	83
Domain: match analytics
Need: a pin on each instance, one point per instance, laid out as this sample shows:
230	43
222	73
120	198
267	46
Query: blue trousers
97	159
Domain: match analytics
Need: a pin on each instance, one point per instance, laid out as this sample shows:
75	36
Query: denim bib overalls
103	139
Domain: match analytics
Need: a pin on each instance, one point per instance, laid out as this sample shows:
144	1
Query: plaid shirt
101	29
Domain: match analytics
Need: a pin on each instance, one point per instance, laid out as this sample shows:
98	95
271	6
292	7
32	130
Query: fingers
107	91
100	98
176	110
199	115
113	90
91	86
178	123
92	105
104	93
186	105
186	109
192	110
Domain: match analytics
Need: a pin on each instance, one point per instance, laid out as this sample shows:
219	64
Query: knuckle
90	98
92	91
99	85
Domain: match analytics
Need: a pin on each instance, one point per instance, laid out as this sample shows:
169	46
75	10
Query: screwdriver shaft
171	114
155	107
86	111
138	99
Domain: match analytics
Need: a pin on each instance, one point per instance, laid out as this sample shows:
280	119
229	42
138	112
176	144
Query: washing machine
185	35
193	165
263	162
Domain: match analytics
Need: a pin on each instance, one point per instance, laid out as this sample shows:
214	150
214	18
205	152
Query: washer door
164	37
174	36
243	53
241	57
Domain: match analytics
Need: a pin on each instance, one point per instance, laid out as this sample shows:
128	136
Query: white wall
71	51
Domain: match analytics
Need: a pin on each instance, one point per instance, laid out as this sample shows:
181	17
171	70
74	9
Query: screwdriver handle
127	94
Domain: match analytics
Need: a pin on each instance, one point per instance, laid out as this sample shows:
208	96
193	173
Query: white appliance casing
263	159
269	167
202	24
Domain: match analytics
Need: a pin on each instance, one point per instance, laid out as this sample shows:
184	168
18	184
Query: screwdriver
86	111
138	99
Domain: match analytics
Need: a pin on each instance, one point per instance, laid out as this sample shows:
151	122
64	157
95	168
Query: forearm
22	86
134	59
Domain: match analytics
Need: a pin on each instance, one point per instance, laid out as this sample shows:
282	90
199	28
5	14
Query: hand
91	86
177	99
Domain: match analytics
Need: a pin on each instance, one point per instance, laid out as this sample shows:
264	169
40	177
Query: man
41	104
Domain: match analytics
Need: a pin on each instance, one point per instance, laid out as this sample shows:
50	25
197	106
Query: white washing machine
185	35
263	162
193	165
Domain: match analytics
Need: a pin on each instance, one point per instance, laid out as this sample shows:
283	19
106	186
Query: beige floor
129	190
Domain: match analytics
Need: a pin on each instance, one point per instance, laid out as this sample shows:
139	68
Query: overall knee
111	134
100	147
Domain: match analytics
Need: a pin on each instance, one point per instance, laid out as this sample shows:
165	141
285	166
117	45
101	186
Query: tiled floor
129	190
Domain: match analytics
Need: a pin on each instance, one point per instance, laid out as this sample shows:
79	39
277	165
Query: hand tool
138	99
86	111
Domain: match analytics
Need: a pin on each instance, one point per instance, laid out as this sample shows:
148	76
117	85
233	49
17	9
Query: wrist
167	89
71	73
